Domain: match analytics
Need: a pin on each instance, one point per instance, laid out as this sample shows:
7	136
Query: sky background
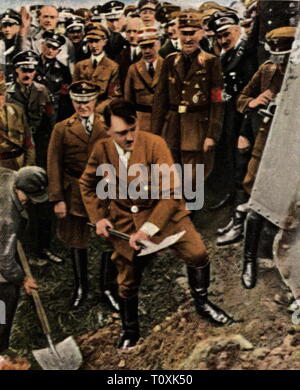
86	3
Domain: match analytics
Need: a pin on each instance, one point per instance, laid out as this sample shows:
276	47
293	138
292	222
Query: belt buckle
182	109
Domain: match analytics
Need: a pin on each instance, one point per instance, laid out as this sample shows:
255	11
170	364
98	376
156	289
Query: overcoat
68	152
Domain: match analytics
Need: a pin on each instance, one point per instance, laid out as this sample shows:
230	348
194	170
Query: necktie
88	127
95	63
134	55
151	70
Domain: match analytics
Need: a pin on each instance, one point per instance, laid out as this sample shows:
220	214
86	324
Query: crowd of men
146	83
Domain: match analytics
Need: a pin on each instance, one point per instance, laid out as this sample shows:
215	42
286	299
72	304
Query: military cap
55	40
96	31
113	9
250	4
167	13
189	18
26	58
11	16
246	22
279	41
208	5
130	10
84	91
220	21
33	182
74	24
2	84
96	13
147	4
147	35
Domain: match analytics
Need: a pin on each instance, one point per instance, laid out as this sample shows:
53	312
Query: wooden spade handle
37	300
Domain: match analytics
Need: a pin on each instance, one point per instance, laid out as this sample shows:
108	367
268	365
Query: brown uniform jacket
140	88
268	76
106	75
164	213
198	91
68	152
14	128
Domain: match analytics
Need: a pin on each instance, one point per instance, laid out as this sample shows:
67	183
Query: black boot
79	261
199	283
236	230
254	226
108	274
267	236
130	322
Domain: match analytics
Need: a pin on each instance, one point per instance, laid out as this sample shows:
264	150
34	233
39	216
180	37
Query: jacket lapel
78	130
179	67
141	67
157	72
268	76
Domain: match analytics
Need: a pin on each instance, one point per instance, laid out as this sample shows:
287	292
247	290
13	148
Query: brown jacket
68	152
140	88
164	213
198	91
268	76
106	75
14	127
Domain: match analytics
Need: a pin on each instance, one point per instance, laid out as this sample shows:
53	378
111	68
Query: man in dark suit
131	53
113	11
239	63
167	16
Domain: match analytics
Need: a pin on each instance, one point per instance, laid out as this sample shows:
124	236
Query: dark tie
95	63
151	70
134	55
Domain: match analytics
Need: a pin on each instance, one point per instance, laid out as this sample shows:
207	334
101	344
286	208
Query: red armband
217	95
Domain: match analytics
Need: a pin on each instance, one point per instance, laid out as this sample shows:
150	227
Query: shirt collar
98	58
121	151
153	63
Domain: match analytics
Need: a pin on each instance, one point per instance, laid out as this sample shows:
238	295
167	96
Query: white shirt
97	58
136	49
148	227
153	63
84	122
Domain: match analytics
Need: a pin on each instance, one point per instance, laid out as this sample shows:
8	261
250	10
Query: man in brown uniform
142	218
259	92
188	108
99	68
142	77
16	144
70	145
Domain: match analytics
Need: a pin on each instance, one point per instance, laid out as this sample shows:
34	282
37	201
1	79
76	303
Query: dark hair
121	108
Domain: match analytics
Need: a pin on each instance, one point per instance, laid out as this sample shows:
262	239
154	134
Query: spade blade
150	247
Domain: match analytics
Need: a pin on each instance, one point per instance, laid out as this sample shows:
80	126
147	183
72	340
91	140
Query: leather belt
10	155
143	108
182	109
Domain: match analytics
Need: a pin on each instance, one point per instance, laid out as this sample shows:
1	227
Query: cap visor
38	198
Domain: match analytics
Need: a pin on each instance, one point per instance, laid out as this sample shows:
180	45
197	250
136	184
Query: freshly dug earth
173	335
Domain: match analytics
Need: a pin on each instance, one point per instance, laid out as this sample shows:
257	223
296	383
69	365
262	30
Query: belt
10	155
182	109
72	173
143	108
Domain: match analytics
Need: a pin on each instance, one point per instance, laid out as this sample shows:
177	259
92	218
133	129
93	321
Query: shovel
148	247
62	356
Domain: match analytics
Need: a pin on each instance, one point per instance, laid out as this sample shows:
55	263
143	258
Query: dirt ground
173	335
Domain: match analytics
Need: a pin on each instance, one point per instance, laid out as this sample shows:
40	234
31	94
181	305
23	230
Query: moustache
26	78
225	45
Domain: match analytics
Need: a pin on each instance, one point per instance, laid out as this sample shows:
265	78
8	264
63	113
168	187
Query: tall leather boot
267	236
130	322
235	231
199	282
108	274
254	226
79	261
